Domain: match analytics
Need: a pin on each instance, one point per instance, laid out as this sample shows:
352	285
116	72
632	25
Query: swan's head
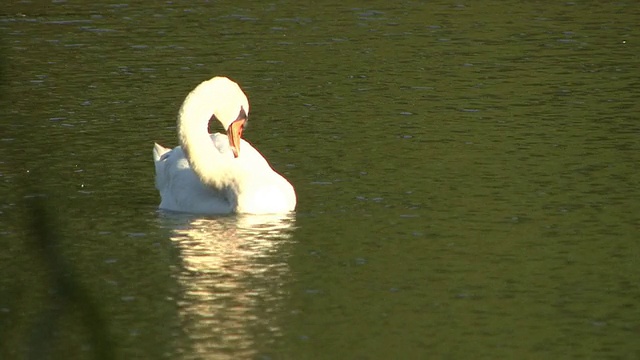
231	108
223	99
234	131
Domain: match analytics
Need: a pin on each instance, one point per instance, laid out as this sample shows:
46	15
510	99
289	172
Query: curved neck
193	132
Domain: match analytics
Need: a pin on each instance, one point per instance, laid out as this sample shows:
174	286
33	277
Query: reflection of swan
232	280
207	173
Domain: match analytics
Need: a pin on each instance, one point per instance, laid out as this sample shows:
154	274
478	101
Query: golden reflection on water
232	276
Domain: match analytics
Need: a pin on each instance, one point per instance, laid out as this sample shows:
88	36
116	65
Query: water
467	178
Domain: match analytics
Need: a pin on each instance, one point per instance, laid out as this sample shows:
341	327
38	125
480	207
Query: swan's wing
259	188
180	188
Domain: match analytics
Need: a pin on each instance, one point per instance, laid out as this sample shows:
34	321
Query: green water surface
467	177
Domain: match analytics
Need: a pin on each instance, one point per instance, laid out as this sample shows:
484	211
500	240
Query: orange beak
234	133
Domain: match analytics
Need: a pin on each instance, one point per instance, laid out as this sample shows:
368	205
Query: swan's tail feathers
158	151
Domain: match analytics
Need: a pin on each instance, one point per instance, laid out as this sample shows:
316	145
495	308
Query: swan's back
254	186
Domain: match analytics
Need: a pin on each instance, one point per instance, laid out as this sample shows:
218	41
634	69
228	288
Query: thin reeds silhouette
68	295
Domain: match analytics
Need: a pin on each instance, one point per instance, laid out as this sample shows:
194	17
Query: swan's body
208	173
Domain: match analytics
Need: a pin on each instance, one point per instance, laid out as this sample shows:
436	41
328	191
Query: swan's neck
193	131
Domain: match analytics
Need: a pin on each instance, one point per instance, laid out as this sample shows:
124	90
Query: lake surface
467	178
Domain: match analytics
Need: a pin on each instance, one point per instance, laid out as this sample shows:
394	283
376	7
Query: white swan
216	174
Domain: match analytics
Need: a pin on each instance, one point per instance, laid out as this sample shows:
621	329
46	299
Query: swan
218	173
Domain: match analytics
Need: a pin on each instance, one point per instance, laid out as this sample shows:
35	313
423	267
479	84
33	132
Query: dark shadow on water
68	295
